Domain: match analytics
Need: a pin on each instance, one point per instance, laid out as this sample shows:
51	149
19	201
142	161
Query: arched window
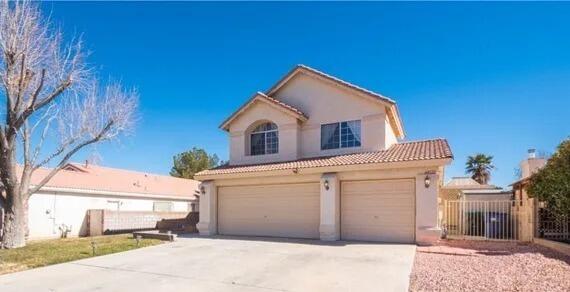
264	139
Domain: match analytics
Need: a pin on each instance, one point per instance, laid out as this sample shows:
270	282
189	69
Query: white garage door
286	210
379	210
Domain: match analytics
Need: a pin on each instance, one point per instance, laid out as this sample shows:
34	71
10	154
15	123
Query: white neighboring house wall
48	210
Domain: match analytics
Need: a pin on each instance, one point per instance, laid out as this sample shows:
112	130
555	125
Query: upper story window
340	135
264	139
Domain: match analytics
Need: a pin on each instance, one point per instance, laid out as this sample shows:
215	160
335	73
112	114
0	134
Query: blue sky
490	77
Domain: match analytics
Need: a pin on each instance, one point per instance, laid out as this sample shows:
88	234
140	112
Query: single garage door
285	210
378	210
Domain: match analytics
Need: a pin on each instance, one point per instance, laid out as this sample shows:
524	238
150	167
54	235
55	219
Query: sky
491	78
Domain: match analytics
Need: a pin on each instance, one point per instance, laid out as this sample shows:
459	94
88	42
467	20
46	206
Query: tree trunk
14	225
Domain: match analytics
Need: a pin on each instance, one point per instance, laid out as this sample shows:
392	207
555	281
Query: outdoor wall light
427	181
202	190
326	184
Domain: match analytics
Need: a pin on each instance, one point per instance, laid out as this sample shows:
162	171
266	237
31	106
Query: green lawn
48	252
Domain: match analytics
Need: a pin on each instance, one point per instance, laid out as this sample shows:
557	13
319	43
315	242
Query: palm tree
480	166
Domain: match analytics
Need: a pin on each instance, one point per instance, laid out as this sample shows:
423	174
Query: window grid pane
271	142
340	135
264	139
258	144
265	127
330	136
350	134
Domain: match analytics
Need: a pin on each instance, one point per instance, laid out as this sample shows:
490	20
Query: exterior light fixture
326	184
427	181
202	190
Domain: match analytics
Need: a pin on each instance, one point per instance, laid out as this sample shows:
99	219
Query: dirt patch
458	265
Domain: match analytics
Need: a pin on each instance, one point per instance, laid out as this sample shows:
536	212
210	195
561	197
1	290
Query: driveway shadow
315	242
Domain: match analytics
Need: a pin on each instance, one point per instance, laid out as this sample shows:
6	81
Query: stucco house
526	207
77	188
318	157
466	188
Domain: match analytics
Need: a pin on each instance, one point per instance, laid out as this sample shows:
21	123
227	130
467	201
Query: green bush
551	184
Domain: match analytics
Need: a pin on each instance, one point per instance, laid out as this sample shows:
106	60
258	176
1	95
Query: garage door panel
379	210
290	210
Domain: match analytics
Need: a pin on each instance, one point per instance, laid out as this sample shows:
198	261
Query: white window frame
340	135
264	132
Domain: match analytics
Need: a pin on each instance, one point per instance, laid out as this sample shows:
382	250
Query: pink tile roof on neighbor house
99	179
401	152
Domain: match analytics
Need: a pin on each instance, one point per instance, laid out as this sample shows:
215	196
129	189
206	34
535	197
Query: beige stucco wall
531	165
47	211
526	212
323	103
390	137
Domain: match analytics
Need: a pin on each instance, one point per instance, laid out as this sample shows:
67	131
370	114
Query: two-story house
318	157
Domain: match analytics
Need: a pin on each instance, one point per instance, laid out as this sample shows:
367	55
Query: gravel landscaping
458	265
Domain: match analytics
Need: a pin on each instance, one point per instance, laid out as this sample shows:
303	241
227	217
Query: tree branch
38	89
66	158
17	123
20	84
55	154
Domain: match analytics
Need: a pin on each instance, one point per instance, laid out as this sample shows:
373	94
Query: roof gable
261	97
391	107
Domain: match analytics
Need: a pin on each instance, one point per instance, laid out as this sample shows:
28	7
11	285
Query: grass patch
54	251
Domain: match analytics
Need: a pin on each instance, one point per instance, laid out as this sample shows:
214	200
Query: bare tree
50	95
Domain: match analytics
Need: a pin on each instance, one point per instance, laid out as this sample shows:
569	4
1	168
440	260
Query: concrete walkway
230	264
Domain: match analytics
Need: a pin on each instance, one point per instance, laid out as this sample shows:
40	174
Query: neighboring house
485	198
527	167
318	157
466	188
526	207
81	187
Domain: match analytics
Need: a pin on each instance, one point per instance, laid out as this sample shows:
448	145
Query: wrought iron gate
484	220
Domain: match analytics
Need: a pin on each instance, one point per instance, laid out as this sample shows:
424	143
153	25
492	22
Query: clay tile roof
126	182
401	152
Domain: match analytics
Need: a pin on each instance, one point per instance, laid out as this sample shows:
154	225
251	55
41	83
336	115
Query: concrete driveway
230	264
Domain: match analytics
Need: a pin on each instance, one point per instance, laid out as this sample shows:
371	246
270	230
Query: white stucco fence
50	210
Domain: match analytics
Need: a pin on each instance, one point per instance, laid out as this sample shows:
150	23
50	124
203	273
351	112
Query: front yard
48	252
457	265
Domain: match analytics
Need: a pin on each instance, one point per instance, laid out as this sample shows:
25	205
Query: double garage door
375	210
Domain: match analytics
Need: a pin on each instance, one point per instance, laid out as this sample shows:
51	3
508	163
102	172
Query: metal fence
553	227
484	220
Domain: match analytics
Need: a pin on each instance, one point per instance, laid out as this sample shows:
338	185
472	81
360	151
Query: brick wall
108	222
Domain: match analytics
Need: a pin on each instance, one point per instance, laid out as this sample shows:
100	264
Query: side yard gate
484	220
